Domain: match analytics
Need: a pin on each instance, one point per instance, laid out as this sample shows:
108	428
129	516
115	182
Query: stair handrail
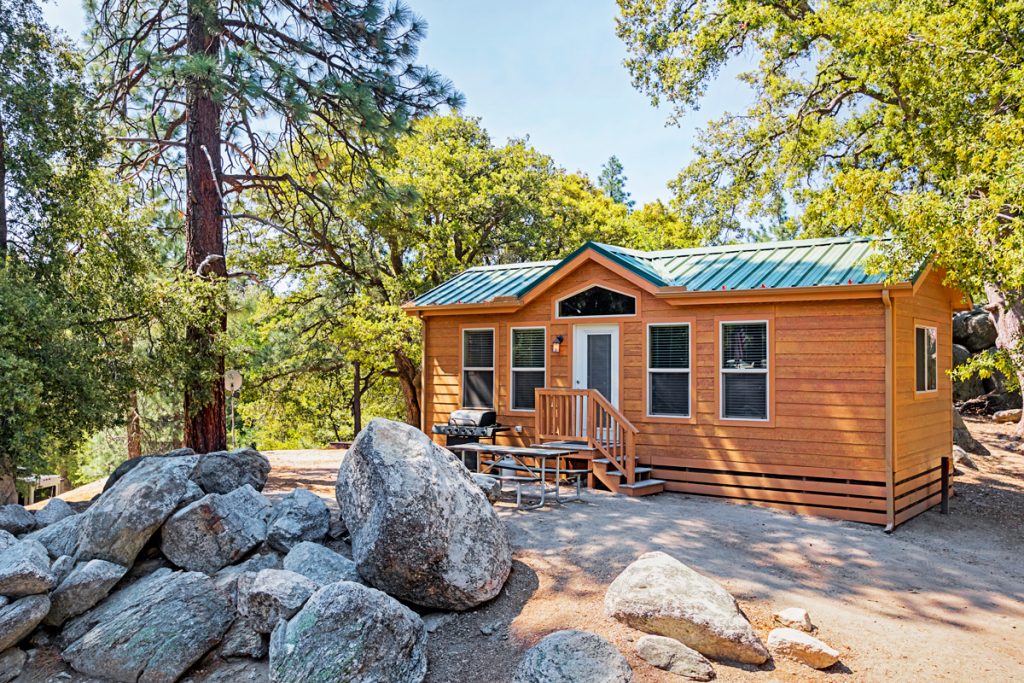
604	420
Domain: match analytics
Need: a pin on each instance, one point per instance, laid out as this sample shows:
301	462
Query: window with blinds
478	368
528	366
668	370
925	353
744	369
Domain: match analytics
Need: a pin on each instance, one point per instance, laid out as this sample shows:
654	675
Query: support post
945	486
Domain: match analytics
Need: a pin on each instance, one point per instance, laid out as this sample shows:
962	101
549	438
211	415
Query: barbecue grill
469	426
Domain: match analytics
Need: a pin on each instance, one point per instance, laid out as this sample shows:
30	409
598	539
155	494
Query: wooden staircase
584	420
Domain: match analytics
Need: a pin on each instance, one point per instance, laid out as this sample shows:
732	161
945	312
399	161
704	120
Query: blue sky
552	71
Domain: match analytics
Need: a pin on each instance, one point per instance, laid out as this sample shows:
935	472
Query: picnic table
517	461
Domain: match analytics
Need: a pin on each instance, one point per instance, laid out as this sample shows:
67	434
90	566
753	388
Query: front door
595	360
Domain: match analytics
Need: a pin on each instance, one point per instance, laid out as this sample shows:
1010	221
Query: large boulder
154	630
124	518
794	644
573	657
25	570
59	538
422	530
299	516
7	539
350	632
86	585
962	436
672	656
271	595
243	640
978	331
12	662
216	530
1005	416
128	465
16	520
225	471
54	511
321	565
661	595
20	617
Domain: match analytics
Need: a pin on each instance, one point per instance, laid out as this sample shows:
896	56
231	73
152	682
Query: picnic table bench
514	460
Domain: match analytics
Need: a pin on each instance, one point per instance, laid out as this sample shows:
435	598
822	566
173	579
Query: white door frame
579	356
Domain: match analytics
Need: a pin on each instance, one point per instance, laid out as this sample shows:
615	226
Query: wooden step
647	487
606	461
637	470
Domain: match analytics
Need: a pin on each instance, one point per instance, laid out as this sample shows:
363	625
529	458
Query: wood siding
823	449
923	422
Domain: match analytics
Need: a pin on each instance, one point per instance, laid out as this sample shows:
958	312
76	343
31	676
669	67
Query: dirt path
940	599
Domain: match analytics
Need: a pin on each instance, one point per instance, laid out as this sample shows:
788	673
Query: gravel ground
940	599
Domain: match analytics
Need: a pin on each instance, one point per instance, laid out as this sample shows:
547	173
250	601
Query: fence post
945	486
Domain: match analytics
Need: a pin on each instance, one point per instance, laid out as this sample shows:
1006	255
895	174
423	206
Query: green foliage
992	363
451	199
612	180
899	117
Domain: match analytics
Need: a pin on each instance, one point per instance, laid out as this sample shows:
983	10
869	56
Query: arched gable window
596	301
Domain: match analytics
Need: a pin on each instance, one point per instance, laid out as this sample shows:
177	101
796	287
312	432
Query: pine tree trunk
409	380
1007	310
3	194
205	428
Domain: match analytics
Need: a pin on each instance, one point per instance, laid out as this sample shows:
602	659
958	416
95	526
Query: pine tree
218	87
613	181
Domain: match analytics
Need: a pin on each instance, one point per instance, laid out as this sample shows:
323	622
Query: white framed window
529	366
478	368
925	354
596	302
668	369
744	370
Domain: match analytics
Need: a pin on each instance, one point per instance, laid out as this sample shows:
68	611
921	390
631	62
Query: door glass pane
599	363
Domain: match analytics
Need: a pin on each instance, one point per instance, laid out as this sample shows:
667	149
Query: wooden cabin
780	374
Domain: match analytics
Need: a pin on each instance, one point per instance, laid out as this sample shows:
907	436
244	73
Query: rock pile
181	567
974	333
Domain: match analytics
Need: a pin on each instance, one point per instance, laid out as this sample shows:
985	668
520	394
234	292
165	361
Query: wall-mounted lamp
556	344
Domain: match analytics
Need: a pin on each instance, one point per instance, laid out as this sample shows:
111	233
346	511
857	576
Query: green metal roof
760	265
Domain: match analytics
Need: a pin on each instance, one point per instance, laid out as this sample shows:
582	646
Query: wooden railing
586	415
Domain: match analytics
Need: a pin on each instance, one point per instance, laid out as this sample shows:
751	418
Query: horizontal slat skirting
782	470
774	496
856	515
917	509
851	487
927	490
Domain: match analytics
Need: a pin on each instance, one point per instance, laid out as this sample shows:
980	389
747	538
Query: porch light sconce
556	345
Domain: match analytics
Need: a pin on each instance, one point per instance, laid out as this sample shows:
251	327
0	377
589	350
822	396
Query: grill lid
469	417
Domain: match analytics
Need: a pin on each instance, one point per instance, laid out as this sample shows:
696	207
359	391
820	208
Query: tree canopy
900	118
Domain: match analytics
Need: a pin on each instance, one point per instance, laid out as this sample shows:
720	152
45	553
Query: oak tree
897	118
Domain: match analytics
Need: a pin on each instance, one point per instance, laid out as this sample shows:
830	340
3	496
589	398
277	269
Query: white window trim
491	369
722	371
688	371
513	369
558	307
935	331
